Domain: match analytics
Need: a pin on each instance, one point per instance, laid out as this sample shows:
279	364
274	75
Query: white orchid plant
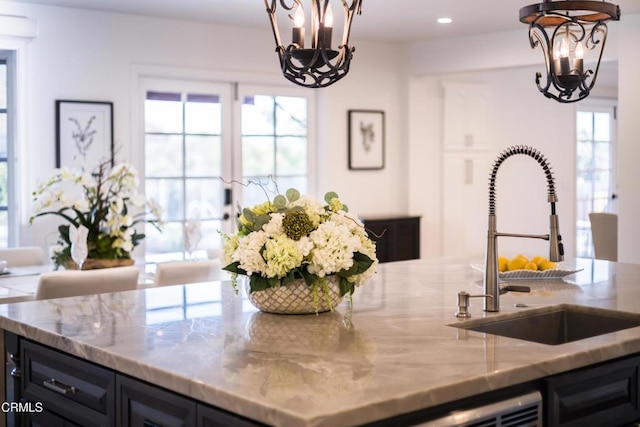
297	237
106	202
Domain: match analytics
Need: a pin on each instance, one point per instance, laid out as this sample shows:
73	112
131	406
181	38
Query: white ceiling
381	20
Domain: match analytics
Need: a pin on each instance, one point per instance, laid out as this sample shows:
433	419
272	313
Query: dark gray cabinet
601	395
74	392
397	238
66	391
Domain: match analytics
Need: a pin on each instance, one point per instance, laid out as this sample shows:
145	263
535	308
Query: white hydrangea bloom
248	252
304	245
274	227
333	250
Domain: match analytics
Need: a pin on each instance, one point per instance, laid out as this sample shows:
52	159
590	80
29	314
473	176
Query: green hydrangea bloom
297	224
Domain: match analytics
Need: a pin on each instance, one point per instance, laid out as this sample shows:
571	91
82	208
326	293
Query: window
200	141
596	175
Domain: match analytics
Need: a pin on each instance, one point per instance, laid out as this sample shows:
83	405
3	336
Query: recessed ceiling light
445	20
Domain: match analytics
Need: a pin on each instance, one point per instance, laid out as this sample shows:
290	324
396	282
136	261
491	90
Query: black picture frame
84	134
366	139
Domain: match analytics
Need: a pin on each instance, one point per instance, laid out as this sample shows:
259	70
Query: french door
596	183
210	147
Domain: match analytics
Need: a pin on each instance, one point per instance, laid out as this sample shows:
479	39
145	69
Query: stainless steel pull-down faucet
556	251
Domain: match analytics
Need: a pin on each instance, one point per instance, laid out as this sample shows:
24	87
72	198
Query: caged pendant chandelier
567	31
312	59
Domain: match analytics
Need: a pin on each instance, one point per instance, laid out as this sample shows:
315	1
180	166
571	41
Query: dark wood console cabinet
397	238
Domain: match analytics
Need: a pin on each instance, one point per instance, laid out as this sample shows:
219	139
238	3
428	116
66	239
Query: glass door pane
275	137
187	165
596	173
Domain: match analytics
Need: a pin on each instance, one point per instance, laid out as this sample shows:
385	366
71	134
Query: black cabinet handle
58	387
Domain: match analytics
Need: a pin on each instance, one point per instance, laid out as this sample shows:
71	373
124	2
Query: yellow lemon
547	265
531	266
502	263
538	259
516	263
524	257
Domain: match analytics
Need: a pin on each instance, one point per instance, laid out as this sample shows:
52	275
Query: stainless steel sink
556	324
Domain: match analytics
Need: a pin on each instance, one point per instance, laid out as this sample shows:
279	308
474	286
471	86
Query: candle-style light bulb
328	17
561	58
298	18
578	63
298	27
564	49
327	28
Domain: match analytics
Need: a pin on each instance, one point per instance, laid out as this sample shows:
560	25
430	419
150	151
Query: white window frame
16	32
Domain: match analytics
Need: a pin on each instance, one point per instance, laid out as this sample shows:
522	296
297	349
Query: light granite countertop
389	354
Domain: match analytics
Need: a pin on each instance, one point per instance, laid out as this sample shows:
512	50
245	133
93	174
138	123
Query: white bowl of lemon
538	267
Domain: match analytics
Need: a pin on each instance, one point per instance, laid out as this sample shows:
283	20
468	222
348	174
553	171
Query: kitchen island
392	353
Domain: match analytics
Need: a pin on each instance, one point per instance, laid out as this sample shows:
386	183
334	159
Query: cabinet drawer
143	405
72	388
604	395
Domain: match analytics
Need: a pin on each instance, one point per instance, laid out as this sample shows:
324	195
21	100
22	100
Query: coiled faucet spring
531	152
556	251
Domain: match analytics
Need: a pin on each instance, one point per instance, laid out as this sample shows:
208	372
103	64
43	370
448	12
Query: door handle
227	196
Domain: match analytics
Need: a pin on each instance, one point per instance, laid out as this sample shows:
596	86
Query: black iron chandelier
568	31
311	59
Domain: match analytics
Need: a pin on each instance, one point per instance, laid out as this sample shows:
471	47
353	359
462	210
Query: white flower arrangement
106	202
297	237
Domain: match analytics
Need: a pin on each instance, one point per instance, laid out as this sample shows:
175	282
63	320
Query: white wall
374	83
629	143
87	55
519	116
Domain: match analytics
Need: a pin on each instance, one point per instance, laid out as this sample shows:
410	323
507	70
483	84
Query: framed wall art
366	139
84	134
